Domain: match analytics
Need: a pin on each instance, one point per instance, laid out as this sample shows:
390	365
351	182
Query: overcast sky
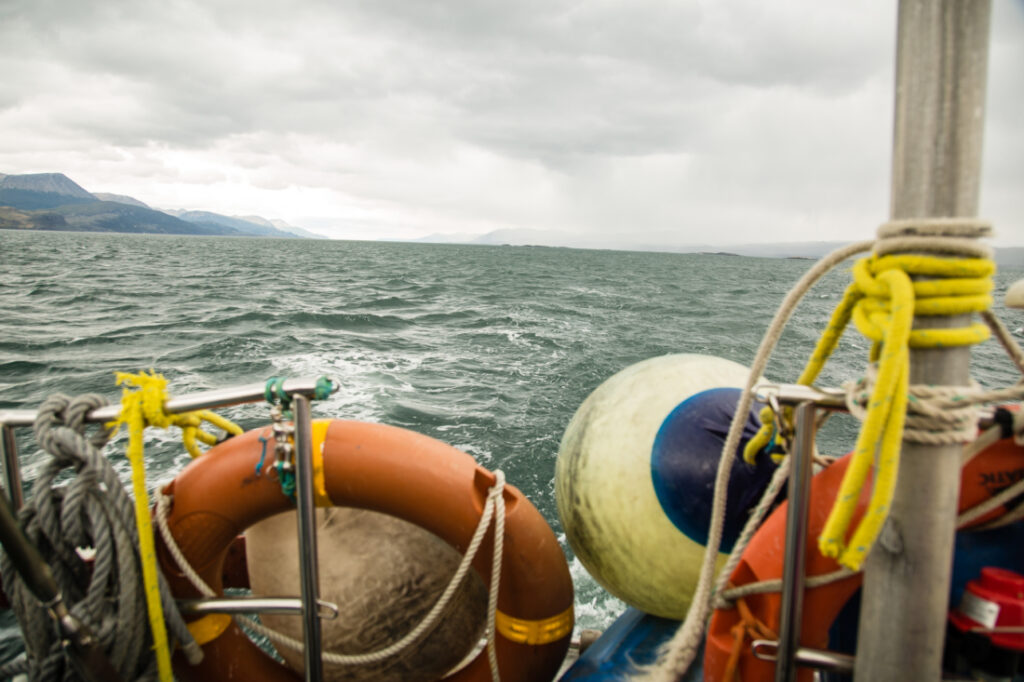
616	121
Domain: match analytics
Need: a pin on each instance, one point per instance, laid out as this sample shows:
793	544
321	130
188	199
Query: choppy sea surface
488	348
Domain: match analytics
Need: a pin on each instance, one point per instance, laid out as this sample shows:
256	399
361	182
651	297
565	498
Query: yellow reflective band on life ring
209	628
534	632
320	495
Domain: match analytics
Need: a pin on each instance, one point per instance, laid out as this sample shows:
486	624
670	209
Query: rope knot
496	490
952	277
147	400
144	406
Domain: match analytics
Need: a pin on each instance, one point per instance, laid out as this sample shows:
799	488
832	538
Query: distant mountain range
53	201
1005	255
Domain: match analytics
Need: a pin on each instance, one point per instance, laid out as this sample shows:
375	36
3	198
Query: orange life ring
727	655
397	472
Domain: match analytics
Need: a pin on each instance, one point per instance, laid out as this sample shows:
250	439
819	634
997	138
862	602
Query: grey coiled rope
92	510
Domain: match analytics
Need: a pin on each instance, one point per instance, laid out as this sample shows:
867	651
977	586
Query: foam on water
491	349
595	608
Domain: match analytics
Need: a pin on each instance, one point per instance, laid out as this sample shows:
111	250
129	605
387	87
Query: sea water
488	348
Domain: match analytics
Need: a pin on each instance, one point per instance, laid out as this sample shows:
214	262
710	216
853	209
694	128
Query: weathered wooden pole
941	61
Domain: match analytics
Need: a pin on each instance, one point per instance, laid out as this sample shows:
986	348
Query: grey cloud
604	111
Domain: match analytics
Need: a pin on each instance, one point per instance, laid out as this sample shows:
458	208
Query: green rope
274	392
323	389
287	480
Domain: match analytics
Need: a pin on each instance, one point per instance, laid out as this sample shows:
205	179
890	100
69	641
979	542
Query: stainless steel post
791	606
12	470
306	512
942	54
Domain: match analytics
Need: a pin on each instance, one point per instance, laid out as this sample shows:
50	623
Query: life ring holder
389	470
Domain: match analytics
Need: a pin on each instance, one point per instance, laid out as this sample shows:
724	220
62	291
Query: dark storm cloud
465	116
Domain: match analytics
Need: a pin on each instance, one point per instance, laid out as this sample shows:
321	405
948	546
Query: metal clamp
794	394
284	433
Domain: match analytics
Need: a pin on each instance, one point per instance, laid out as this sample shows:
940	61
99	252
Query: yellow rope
141	407
826	344
884	312
882	301
882	431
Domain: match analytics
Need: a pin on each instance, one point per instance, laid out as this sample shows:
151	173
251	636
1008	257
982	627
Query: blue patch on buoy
684	462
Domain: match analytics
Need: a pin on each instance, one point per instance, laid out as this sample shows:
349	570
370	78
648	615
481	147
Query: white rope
676	656
1012	516
933	228
764	586
494	507
936	415
499	545
1004	337
162	507
778	479
986	438
991	503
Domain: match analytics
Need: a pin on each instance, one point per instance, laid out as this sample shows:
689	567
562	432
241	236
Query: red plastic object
996	600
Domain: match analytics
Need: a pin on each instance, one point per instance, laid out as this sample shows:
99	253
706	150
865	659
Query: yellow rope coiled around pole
141	407
882	301
885	312
882	430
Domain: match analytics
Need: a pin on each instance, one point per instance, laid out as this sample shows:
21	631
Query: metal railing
788	654
309	605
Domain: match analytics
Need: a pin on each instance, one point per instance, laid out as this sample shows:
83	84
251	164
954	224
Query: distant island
1012	256
53	201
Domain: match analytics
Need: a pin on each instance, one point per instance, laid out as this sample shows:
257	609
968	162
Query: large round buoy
635	477
385	575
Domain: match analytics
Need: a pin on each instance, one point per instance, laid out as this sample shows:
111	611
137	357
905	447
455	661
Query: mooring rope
91	511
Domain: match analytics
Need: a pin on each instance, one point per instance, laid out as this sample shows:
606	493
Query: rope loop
965	288
887	302
92	510
324	388
142	404
494	508
148	398
274	393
